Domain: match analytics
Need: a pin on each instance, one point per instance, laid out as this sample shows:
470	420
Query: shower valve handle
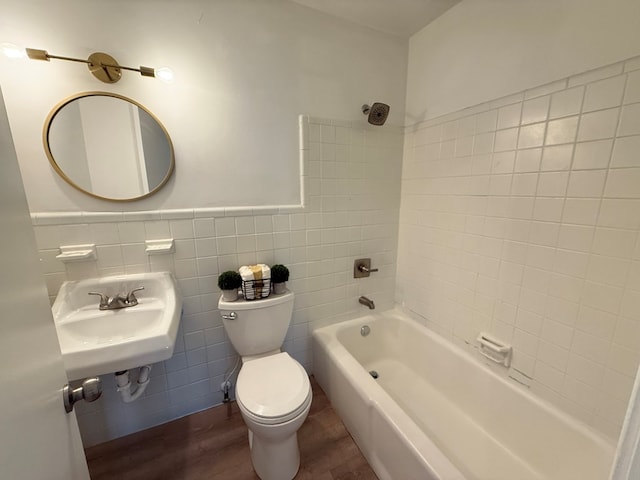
365	269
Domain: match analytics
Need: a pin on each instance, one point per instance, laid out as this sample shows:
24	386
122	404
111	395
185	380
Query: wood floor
213	445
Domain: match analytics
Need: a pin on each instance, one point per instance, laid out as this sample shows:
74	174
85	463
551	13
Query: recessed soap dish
494	349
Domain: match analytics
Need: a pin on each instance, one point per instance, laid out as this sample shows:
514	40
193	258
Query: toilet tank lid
273	386
242	304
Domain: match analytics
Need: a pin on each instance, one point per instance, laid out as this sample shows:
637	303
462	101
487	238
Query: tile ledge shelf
57	218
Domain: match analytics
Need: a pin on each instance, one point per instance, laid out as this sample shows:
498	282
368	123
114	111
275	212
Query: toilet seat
273	389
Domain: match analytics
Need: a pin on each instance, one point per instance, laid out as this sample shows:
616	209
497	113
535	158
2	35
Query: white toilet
273	390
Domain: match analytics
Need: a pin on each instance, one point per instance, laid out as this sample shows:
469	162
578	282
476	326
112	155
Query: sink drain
374	374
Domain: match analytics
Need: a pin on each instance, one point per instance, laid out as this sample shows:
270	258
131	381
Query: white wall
480	50
244	72
519	216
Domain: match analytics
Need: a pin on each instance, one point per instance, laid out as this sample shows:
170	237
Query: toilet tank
259	326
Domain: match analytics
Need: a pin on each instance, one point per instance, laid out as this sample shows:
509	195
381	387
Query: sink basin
95	342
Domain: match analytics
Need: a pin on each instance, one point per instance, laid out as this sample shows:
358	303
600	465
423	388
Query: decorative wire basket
255	289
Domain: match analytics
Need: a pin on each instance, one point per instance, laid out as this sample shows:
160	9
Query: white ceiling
398	17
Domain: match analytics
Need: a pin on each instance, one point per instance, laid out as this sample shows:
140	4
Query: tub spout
365	301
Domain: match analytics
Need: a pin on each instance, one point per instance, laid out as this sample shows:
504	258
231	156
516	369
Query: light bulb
12	51
164	74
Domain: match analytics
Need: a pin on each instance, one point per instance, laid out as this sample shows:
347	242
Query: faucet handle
131	298
104	299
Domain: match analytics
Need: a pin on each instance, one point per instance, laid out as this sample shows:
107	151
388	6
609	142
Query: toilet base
275	461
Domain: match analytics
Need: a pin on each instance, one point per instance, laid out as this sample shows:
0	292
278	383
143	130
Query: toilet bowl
273	390
274	396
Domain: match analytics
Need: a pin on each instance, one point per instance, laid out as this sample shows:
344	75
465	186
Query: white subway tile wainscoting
520	217
351	177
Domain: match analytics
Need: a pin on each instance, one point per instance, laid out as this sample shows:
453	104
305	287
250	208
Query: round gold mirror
108	146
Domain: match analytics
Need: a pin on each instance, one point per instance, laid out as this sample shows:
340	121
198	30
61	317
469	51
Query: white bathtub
437	413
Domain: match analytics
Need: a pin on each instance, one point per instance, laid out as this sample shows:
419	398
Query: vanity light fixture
101	65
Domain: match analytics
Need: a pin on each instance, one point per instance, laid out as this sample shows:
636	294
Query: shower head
377	112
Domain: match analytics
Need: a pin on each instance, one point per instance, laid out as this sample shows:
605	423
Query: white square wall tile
614	242
553	355
503	162
562	131
204	227
598	125
620	213
225	226
630	120
483	143
263	224
466	126
592	154
562	311
608	270
548	209
506	139
632	92
596	322
105	233
604	94
553	184
531	135
557	158
567	102
181	229
576	237
586	183
570	262
463	146
623	183
535	110
556	333
509	116
626	152
585	370
633	282
632	64
500	184
246	243
109	256
486	121
544	233
245	225
630	306
602	297
627	333
582	211
528	160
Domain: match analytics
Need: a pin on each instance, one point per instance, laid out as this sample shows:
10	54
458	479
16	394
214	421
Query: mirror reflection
108	146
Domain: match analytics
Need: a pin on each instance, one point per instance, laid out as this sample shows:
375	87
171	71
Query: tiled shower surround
520	217
352	193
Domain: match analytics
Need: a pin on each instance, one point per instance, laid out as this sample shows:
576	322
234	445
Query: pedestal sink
94	342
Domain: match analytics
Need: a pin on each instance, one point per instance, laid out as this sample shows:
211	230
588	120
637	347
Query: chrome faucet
368	302
121	300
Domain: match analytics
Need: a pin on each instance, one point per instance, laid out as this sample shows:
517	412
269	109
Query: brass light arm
101	65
